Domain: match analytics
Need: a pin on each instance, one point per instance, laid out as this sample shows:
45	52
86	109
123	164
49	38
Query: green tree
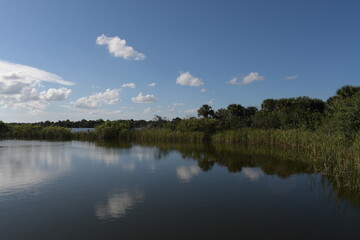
205	111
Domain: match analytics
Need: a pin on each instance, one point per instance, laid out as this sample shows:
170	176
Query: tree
3	128
236	110
344	117
205	111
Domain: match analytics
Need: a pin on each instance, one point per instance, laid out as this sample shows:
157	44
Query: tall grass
331	155
38	132
167	135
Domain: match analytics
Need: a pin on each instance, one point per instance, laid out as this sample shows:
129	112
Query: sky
136	59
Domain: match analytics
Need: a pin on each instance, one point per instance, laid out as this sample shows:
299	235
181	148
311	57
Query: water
75	130
82	190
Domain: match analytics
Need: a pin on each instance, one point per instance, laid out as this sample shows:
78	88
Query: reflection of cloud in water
118	205
144	153
185	173
24	164
110	156
127	159
252	173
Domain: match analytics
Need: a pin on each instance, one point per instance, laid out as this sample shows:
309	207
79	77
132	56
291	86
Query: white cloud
19	87
26	74
193	110
144	98
291	77
185	173
118	48
253	174
26	164
53	94
251	77
118	205
186	79
203	90
151	84
147	110
178	104
210	102
128	85
110	96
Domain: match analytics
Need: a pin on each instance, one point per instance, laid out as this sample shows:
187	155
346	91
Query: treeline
338	116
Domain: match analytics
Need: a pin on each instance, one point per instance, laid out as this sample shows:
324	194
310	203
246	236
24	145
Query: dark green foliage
290	113
3	128
35	131
235	116
197	125
344	116
338	116
205	111
113	130
266	120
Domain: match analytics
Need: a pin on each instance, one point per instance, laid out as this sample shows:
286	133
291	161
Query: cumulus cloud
110	96
185	173
128	85
53	94
118	48
151	84
186	79
118	205
253	174
19	87
292	77
144	98
251	77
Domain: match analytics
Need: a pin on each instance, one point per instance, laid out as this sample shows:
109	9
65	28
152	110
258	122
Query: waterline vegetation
327	133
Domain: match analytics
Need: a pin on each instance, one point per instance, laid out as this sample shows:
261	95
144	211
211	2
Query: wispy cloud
144	98
251	77
118	48
203	90
151	84
20	87
292	77
110	96
178	104
186	79
148	110
17	72
128	85
192	110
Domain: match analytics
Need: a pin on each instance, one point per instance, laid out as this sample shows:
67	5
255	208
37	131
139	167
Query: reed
167	135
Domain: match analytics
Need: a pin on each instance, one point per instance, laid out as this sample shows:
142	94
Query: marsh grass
332	155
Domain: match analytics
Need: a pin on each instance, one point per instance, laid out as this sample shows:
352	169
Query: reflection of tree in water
272	161
235	157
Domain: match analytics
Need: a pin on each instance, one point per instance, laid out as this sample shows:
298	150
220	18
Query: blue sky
134	59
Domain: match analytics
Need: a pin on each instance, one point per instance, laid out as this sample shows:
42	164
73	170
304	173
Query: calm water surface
82	190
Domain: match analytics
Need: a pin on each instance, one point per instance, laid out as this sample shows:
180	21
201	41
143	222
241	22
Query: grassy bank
331	155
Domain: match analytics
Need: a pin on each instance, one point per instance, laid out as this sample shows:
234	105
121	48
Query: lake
85	190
